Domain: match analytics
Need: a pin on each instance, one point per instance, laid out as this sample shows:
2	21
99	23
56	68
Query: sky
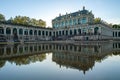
107	10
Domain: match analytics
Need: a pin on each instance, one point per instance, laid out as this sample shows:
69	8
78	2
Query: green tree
97	20
2	17
24	20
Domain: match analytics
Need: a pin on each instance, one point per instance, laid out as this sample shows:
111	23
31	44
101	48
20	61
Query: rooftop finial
83	7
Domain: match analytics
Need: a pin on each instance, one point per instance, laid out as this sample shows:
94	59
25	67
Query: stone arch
1	30
8	30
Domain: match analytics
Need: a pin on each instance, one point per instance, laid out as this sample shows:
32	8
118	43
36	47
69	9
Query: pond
56	61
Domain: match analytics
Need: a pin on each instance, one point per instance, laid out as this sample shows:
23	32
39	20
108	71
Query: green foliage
24	20
2	18
116	26
97	20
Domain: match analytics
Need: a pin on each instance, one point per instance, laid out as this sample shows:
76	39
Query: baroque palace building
74	26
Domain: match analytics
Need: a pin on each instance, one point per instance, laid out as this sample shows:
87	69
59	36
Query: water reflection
77	56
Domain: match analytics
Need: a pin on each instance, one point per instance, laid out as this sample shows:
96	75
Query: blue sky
108	10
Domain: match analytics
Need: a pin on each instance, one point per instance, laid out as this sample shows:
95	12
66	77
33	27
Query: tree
24	20
2	18
97	20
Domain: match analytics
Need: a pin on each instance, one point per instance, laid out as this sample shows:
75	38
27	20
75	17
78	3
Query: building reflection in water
77	56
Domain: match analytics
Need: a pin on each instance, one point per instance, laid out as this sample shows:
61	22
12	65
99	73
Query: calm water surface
79	61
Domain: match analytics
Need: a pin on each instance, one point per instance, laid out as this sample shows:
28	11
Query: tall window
84	20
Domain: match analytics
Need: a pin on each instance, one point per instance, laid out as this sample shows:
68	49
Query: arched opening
115	34
39	32
79	31
75	32
59	33
1	30
15	36
31	32
46	33
50	34
8	30
26	32
20	31
62	32
96	30
56	33
119	34
14	31
35	32
66	32
43	33
70	32
79	21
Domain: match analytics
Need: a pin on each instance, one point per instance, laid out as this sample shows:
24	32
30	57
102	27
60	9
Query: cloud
114	21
